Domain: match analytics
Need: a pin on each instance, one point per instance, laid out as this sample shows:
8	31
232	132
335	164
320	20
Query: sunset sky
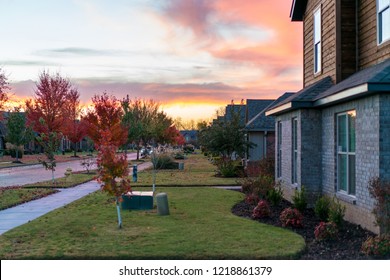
193	56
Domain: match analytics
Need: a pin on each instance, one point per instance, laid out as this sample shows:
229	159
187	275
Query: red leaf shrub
377	246
291	217
326	231
252	199
262	210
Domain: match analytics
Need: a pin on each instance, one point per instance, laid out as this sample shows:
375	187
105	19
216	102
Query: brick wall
309	157
367	157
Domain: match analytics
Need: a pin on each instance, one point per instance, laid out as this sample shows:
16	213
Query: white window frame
350	190
317	41
294	150
279	150
383	20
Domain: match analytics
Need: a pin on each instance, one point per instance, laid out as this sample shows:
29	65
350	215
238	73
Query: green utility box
137	201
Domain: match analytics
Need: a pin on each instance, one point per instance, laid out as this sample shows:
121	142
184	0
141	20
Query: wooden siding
328	41
369	51
344	51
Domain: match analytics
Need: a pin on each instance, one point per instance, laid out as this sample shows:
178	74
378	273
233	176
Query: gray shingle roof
260	122
306	96
255	106
378	74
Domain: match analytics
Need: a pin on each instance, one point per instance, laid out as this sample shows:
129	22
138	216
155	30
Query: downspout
357	35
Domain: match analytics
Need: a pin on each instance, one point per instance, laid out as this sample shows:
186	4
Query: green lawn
198	171
10	197
200	226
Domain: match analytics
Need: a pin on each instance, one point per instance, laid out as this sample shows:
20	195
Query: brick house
333	136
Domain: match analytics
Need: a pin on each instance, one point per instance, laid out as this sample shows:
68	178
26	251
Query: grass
64	182
200	226
198	171
7	161
12	196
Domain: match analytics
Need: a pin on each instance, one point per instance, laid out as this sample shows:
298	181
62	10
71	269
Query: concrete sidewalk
23	213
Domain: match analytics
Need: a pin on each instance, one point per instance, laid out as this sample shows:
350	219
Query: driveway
21	175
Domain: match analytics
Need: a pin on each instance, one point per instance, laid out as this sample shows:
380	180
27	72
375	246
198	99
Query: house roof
372	79
302	99
261	122
192	134
233	109
298	9
323	93
255	106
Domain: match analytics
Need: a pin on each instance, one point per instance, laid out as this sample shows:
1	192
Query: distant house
259	128
333	136
190	136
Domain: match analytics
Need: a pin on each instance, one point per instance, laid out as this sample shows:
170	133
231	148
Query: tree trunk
119	213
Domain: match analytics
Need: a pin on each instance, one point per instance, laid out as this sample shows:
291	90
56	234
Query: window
317	41
383	15
294	175
346	170
279	151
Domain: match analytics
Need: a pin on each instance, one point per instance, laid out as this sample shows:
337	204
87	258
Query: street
36	173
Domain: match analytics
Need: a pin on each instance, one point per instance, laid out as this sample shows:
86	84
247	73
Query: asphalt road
21	175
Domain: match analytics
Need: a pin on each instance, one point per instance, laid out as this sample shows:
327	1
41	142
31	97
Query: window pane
382	4
384	25
317	26
352	131
342	172
352	174
342	133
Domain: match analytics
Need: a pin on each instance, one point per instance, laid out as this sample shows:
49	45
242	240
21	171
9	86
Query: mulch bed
346	247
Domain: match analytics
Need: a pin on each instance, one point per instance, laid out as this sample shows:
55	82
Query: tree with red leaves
113	169
106	115
3	88
45	114
74	127
173	136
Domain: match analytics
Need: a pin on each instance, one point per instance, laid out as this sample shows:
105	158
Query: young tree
74	126
113	169
45	114
138	118
3	88
106	115
225	136
18	133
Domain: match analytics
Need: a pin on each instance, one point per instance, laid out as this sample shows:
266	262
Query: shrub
326	231
380	191
87	164
252	199
261	210
258	185
252	169
179	156
377	246
336	212
275	195
321	208
291	217
227	167
267	166
164	161
299	199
